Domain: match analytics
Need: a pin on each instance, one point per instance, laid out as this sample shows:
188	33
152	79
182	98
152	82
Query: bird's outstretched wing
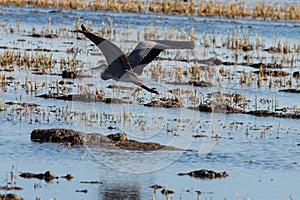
147	51
113	54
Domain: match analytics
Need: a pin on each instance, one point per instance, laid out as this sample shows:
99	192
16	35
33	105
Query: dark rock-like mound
72	137
57	135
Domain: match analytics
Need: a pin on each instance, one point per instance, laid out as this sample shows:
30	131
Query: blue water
261	165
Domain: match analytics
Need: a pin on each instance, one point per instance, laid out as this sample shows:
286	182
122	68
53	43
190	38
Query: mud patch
74	74
216	107
84	98
92	182
223	108
165	103
40	35
273	73
200	83
290	90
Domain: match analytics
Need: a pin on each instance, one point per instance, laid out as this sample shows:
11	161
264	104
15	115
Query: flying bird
127	68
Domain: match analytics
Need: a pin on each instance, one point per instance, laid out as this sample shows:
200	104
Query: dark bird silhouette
127	68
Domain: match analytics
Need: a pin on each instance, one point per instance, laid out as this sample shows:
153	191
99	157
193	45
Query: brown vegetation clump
165	103
10	196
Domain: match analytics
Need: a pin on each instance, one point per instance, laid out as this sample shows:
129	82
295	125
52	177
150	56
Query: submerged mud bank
113	141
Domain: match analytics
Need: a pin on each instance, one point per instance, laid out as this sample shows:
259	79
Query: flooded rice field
230	105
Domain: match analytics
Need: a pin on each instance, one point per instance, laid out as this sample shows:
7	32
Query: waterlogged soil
226	110
83	98
221	108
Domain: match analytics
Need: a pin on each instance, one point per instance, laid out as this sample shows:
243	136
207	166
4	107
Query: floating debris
199	136
68	177
10	188
38	35
205	174
166	191
290	90
83	191
92	182
156	186
47	176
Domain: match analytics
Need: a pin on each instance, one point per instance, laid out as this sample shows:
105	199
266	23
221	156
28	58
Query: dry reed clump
38	61
173	7
230	10
275	11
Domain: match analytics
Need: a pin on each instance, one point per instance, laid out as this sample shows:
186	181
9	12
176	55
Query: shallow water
261	154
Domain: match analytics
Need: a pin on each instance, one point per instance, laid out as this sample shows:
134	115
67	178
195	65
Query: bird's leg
152	90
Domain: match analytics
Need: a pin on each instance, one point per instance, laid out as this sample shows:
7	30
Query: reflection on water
135	161
118	191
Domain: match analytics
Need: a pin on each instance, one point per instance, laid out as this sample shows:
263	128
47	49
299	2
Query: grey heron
127	68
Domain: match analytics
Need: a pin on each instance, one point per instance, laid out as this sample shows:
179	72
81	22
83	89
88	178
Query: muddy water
260	154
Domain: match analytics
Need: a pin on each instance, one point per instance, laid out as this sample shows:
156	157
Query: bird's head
105	75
